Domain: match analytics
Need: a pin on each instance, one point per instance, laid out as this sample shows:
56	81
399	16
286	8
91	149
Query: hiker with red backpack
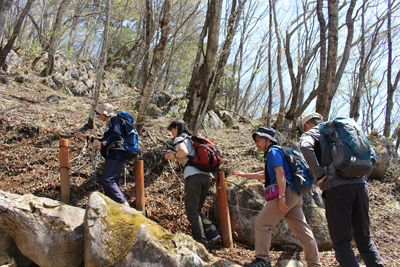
286	203
112	150
197	184
340	157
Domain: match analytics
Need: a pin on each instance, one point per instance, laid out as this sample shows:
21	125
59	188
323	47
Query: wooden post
139	185
64	171
224	217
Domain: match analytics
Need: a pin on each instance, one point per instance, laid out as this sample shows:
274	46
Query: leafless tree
391	87
232	25
55	38
330	74
6	49
5	6
199	86
100	70
155	65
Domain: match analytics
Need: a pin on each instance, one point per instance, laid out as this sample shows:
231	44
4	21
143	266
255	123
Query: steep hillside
31	127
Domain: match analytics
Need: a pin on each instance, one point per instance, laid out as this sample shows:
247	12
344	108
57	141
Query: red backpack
207	156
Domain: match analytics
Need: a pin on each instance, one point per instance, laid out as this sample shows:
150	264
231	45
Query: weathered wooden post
139	185
64	171
224	217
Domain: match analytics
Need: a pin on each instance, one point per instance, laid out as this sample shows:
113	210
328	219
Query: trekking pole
64	171
224	216
139	185
94	166
125	174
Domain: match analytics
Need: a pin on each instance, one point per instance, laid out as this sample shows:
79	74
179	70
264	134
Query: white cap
106	109
310	116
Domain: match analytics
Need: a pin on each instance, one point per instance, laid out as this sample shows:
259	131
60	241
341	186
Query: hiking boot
126	204
258	263
213	236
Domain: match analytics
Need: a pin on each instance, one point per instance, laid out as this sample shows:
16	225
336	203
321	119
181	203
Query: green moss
123	227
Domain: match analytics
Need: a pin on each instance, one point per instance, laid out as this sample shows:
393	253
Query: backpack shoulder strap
185	136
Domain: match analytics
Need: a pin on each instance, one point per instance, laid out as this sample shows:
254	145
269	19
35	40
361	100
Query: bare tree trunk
233	23
279	69
5	6
75	24
100	70
258	61
297	81
390	89
327	90
155	65
149	28
322	57
269	113
89	32
55	38
200	80
365	62
6	49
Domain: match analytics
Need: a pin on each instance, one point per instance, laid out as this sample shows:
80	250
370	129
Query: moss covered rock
116	235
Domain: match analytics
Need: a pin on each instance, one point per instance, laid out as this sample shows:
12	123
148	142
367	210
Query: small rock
53	98
19	78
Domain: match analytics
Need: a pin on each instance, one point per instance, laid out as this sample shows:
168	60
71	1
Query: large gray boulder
46	231
161	99
13	61
245	200
226	118
116	235
386	156
212	121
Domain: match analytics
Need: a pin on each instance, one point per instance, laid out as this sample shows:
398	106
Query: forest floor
30	130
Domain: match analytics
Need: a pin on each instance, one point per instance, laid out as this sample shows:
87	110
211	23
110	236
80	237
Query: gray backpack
353	156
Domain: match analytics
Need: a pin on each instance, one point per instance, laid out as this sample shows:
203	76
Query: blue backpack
302	179
130	134
352	154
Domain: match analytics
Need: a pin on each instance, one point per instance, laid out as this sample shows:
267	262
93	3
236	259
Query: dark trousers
347	215
196	191
110	178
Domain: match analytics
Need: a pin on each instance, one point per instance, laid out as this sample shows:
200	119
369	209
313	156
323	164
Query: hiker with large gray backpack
340	157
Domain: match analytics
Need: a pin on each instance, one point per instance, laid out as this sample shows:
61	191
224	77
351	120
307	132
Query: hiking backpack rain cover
130	134
352	154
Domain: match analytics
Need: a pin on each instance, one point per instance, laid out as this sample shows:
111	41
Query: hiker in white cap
346	199
110	149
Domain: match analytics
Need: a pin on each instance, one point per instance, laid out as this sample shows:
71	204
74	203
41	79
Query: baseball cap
106	109
310	116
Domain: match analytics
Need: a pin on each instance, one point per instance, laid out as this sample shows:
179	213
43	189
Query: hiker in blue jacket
112	150
197	184
346	200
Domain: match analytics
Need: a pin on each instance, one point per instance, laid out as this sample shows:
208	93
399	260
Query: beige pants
270	216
